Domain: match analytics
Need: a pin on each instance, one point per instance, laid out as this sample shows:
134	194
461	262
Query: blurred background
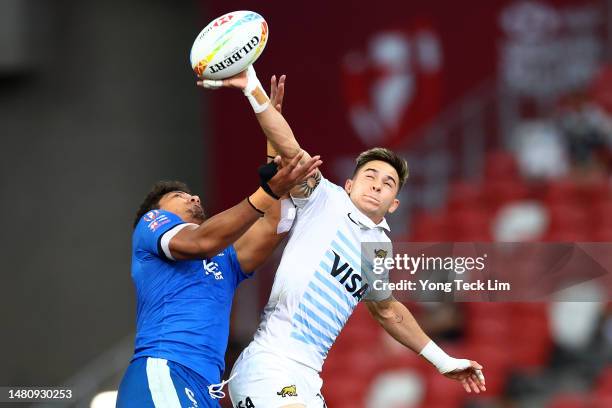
503	109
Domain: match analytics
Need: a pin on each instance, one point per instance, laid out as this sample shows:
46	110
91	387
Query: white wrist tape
442	361
255	93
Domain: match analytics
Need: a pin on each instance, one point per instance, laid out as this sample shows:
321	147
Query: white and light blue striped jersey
319	280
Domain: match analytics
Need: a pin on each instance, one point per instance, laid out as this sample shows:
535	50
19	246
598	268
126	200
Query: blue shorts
155	382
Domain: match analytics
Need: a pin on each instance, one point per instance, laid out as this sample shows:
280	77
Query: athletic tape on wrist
255	93
442	361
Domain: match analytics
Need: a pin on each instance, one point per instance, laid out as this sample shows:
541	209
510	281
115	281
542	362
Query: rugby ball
229	44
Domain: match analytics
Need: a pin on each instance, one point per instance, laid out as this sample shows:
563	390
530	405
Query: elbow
384	315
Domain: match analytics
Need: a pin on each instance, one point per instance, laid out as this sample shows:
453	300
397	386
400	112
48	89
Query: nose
195	198
376	186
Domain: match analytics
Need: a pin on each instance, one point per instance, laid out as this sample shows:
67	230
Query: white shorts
267	380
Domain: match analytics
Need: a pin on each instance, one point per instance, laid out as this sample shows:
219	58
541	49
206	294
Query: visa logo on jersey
346	275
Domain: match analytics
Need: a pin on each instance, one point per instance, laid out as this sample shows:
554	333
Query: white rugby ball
229	44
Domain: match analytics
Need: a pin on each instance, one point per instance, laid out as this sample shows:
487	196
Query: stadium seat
568	217
346	390
601	401
569	401
496	362
562	191
442	392
594	191
430	227
470	224
501	192
501	165
531	337
603	384
464	195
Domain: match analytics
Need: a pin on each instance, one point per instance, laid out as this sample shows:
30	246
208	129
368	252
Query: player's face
374	189
186	206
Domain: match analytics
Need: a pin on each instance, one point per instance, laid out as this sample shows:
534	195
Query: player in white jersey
324	273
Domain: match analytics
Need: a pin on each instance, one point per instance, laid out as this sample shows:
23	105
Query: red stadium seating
603	386
570	401
562	192
501	165
463	195
430	227
442	392
499	192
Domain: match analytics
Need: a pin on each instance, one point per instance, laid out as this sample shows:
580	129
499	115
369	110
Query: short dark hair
159	189
388	156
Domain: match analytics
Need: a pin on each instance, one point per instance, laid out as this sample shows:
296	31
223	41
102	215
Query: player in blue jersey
186	269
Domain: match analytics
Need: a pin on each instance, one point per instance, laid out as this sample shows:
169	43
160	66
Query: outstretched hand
238	81
471	377
277	92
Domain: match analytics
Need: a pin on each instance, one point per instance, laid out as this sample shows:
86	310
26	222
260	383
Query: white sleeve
373	271
168	235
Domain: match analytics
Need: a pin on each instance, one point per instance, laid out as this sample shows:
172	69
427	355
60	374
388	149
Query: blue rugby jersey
183	307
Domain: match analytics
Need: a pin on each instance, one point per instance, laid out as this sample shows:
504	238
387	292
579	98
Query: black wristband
266	172
255	208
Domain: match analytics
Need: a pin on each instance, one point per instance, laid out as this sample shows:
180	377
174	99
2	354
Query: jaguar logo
289	391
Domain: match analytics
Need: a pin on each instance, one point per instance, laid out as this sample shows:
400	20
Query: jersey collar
364	222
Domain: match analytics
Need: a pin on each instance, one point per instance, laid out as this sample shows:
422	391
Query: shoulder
155	220
324	193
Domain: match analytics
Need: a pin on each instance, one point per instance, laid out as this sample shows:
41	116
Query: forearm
221	230
258	243
278	132
397	320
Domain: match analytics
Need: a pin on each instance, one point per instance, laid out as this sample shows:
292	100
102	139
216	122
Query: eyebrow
376	171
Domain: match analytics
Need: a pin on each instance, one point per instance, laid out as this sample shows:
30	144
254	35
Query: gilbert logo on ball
229	44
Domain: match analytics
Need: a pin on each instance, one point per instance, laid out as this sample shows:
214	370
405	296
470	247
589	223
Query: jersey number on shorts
247	403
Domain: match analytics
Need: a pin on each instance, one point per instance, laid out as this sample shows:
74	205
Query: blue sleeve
237	271
150	229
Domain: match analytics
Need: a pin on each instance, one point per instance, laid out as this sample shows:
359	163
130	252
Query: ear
348	186
394	206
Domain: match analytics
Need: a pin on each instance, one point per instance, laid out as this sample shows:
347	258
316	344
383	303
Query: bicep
181	243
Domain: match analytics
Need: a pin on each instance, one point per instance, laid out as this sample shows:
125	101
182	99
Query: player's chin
198	214
369	206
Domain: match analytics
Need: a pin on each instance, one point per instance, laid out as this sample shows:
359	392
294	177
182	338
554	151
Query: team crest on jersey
212	268
290	391
151	215
380	253
158	221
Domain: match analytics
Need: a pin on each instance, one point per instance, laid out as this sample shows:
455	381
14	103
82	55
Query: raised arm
397	320
257	244
275	127
216	233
